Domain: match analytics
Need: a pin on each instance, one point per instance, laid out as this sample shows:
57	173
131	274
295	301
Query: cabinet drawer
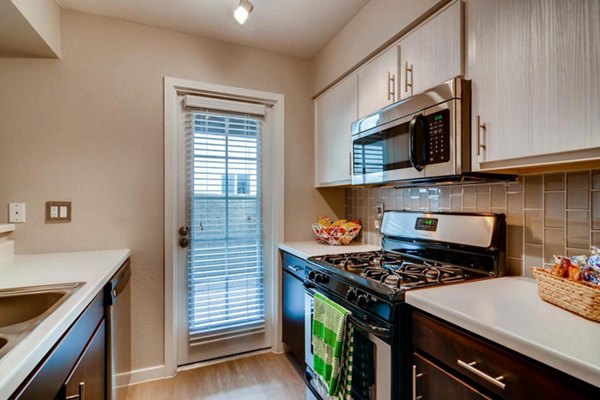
432	382
46	380
484	362
293	265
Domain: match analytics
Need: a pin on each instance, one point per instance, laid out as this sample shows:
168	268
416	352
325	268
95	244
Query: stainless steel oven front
424	136
372	374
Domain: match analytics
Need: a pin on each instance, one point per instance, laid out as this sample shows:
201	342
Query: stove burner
358	262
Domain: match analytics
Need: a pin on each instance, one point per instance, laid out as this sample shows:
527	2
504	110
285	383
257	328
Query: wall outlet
16	213
58	212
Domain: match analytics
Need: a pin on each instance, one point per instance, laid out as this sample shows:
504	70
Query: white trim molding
273	222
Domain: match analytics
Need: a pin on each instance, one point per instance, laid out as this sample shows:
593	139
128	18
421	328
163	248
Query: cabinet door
432	382
293	315
335	111
377	82
88	378
433	53
534	66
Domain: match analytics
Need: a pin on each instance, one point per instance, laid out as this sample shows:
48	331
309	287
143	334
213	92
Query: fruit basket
340	232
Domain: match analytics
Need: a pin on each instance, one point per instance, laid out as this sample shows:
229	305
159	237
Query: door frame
273	215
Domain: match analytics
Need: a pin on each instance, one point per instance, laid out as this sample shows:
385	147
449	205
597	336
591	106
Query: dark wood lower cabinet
46	381
432	382
87	381
457	355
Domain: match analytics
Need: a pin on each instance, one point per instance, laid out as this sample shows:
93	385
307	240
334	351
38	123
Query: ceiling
294	27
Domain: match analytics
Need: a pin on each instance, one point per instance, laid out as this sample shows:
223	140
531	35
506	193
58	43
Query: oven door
372	359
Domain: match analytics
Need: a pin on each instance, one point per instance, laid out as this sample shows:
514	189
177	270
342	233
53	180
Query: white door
221	270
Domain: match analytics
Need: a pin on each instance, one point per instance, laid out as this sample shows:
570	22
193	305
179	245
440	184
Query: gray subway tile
578	229
515	186
554	209
406	198
578	190
498	196
554	182
533	257
483	201
534	191
534	226
423	199
596	210
456	202
514	241
456	190
469	200
578	252
596	179
554	244
445	197
482	188
514	208
514	266
596	239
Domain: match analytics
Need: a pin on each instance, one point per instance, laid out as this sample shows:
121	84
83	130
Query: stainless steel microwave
424	138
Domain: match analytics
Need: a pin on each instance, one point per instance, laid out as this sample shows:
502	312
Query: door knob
184	242
184	231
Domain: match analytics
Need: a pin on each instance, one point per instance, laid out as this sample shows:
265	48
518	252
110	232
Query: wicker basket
576	297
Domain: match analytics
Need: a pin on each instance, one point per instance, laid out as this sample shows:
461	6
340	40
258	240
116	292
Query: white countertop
94	268
508	311
312	248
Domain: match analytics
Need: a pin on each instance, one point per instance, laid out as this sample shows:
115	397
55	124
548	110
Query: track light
243	11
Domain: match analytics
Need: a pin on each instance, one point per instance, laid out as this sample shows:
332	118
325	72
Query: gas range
419	250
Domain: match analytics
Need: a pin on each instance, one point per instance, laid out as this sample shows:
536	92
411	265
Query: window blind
225	263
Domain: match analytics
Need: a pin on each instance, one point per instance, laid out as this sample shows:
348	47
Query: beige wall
44	17
376	23
88	128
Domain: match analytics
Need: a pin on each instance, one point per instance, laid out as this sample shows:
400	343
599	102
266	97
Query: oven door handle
379	331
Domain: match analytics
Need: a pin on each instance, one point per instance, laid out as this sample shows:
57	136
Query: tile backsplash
547	214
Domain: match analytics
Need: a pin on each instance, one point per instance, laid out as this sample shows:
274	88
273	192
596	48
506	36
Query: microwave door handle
418	141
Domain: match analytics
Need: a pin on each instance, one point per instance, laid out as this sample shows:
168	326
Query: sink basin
22	309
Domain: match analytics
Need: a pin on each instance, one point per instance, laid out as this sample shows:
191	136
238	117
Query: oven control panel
439	137
426	224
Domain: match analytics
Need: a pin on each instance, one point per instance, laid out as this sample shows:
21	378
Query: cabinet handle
471	368
295	269
415	376
407	85
391	87
480	127
350	163
80	395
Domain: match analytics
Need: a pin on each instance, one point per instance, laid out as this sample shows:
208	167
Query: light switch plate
58	212
16	213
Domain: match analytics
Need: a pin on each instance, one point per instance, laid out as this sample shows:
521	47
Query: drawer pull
471	368
415	376
295	269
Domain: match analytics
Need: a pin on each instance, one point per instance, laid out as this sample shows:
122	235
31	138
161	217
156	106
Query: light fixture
243	11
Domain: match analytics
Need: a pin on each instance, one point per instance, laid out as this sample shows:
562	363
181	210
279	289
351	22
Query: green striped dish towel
329	331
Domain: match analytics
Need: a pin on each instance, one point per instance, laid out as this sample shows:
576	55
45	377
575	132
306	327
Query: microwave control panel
439	137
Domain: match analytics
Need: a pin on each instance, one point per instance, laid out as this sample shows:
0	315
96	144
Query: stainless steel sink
22	309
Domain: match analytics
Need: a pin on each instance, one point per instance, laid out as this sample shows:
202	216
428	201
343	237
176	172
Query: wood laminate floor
265	376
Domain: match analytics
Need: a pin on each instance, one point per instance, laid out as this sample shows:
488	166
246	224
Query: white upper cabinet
535	68
335	110
377	82
432	53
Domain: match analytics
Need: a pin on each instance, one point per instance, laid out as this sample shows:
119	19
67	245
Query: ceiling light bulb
243	11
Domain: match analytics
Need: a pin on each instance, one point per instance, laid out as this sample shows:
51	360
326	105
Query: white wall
376	23
88	128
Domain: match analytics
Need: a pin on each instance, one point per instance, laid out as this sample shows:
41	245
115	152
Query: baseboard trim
223	359
149	374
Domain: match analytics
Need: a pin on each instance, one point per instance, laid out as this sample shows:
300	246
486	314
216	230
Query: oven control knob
311	276
362	300
321	278
351	295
